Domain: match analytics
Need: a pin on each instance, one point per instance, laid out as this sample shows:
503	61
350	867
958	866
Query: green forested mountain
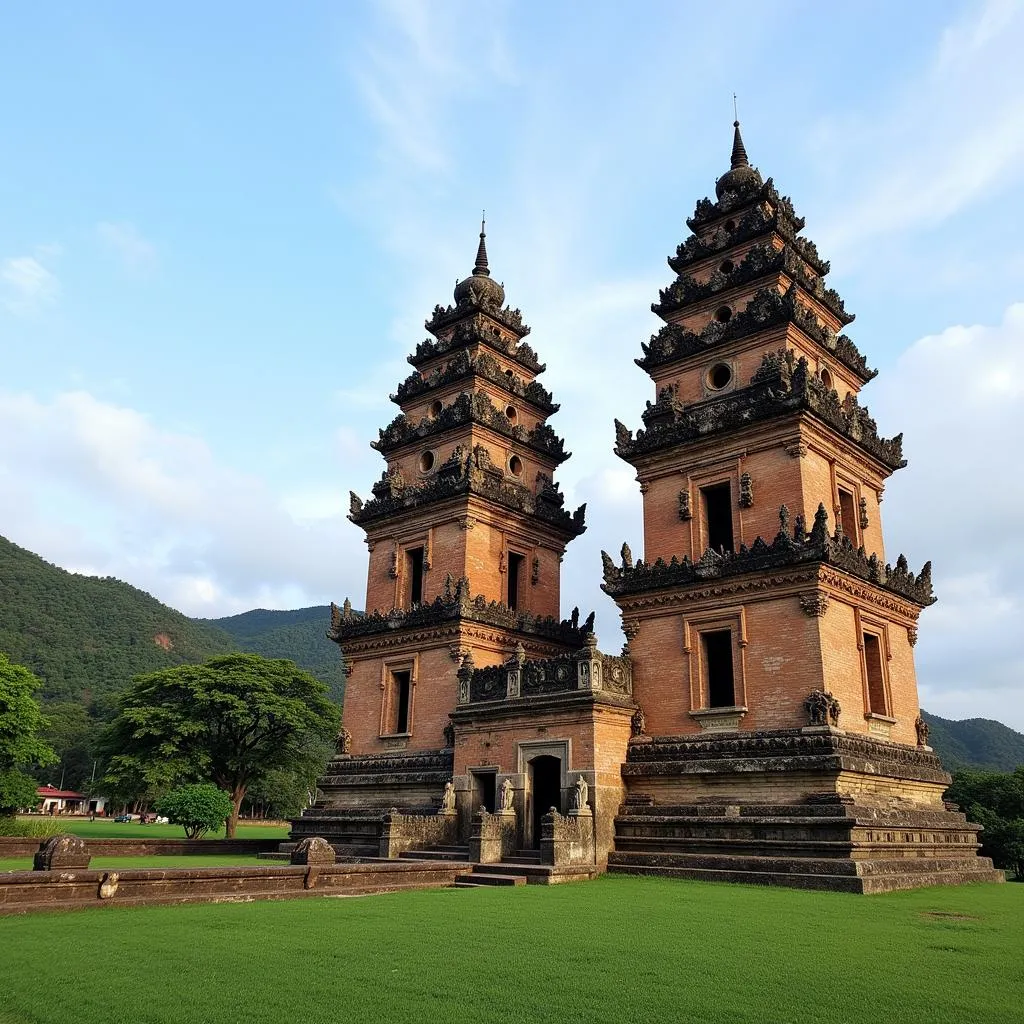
975	742
84	637
299	635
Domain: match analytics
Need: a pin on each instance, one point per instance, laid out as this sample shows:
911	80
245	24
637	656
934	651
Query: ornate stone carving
449	734
506	796
785	550
863	504
580	794
912	636
60	853
921	727
815	604
448	798
343	741
535	571
746	491
109	885
796	450
355	505
684	505
638	723
822	708
393	567
313	850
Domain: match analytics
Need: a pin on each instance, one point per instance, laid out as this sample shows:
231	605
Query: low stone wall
567	840
18	846
22	891
493	837
403	832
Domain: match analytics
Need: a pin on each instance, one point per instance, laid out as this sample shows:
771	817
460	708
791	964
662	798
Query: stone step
477	878
520	859
435	854
734	863
728	845
831	883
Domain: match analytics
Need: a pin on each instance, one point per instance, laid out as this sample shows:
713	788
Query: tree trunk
237	796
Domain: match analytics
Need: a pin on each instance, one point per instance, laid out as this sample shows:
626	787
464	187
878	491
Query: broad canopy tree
21	748
230	720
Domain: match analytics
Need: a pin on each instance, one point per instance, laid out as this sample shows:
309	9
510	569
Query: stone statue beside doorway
580	794
448	798
505	796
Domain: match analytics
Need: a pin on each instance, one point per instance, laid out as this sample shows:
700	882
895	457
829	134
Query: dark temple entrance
545	791
484	790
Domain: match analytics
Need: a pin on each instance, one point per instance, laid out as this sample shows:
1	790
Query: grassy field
107	828
618	950
212	860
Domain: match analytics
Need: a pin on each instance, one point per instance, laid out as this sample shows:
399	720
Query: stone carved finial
912	636
346	609
921	726
313	850
580	794
335	618
506	796
783	518
61	853
627	557
535	571
355	505
638	723
863	513
448	797
822	708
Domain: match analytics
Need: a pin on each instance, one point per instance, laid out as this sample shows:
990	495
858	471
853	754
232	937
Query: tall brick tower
771	642
466	530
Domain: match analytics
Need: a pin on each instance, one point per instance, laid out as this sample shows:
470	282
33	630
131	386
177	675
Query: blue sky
223	226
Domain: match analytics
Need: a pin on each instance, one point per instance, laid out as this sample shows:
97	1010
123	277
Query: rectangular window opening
718	662
847	515
401	699
485	789
515	577
414	565
876	680
717	502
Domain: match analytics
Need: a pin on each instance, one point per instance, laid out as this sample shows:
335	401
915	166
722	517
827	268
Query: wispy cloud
26	283
951	137
128	244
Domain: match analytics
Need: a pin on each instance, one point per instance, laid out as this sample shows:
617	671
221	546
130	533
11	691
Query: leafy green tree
71	732
199	808
995	800
285	792
230	720
21	749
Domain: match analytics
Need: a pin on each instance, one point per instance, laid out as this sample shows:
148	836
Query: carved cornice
760	261
463	366
786	748
781	386
731	589
471	314
748	193
753	223
767	308
465	473
456	604
470	407
789	548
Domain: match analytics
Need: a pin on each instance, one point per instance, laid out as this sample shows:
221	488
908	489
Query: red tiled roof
66	794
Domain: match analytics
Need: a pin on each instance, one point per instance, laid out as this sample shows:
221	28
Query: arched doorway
545	791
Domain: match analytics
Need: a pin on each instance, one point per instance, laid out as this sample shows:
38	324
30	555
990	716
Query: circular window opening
435	409
826	378
726	266
730	225
426	462
510	412
515	465
719	376
723	314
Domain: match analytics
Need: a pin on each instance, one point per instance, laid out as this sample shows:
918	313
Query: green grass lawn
211	860
107	828
614	951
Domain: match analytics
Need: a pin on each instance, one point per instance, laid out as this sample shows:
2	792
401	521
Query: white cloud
125	240
26	283
87	483
952	137
958	395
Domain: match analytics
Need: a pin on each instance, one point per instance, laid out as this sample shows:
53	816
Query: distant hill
299	635
975	742
86	637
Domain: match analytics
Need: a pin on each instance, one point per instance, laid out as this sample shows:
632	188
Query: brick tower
771	642
464	689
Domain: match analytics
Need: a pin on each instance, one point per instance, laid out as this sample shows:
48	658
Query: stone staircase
355	837
454	853
828	842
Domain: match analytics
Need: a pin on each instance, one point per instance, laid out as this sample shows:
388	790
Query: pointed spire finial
739	152
480	270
